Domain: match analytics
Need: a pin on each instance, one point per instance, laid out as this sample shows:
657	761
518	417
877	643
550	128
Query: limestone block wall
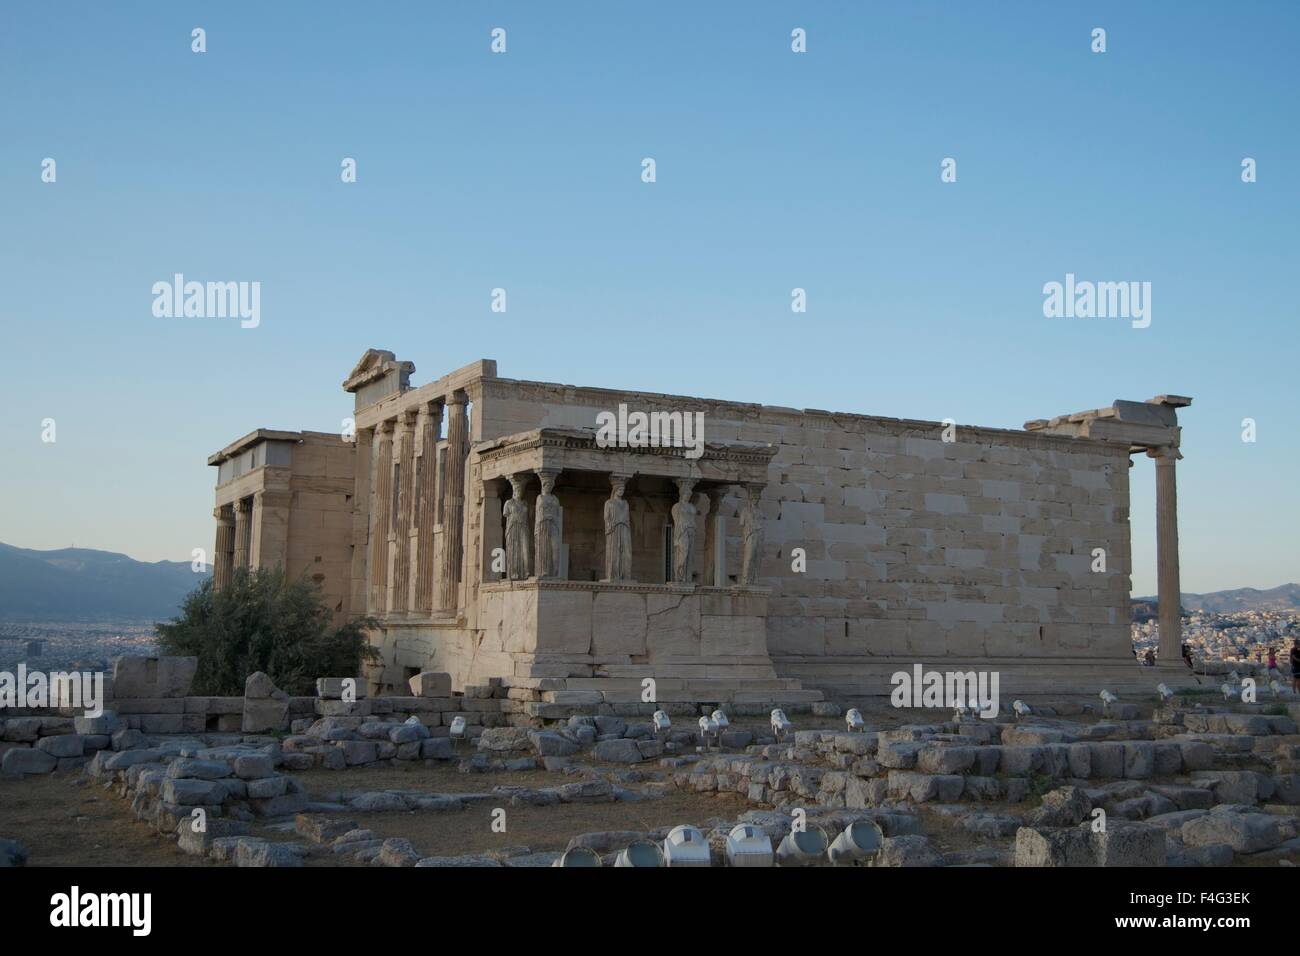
301	486
916	548
621	630
320	518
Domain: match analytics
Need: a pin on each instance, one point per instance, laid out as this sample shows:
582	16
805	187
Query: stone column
243	531
223	558
381	500
400	538
1168	586
427	429
715	540
453	500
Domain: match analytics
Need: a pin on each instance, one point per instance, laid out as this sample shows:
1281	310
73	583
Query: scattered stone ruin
1189	780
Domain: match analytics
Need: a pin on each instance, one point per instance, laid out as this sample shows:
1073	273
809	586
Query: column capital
1164	454
423	420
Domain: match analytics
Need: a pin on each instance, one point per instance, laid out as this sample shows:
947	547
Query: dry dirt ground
66	824
544	828
456	832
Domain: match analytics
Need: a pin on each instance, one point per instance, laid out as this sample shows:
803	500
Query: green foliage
263	621
1040	784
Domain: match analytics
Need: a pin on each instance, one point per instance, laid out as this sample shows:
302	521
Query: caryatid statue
684	514
618	533
549	530
518	537
751	533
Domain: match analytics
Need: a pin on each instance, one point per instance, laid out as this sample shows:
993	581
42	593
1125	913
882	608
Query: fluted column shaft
404	457
381	498
453	497
426	504
243	531
223	559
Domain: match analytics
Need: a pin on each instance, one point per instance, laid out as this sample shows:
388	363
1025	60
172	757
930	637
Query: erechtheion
496	531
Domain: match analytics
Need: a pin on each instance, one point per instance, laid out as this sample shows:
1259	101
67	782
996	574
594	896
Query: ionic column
223	558
453	501
381	499
404	458
1169	589
427	427
243	531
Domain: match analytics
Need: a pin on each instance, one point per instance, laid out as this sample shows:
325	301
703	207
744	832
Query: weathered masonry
495	535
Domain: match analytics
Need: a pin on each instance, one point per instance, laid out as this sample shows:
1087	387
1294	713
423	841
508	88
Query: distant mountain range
1284	597
83	584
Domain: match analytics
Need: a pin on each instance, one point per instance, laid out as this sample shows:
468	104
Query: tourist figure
1295	665
549	530
684	514
618	533
1272	663
1150	658
518	536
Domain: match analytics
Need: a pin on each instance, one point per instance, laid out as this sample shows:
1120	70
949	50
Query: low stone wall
149	696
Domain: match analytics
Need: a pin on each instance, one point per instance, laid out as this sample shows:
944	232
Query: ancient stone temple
505	529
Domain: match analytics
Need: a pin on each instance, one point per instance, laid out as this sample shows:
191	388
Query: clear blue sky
522	170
